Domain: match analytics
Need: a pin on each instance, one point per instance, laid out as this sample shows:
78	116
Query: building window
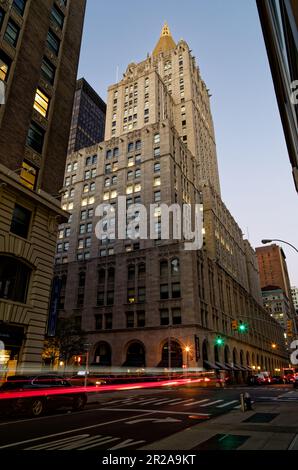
48	71
5	63
41	103
12	33
138	145
14	279
130	147
157	196
141	319
138	173
19	6
53	42
157	167
141	295
131	296
35	137
28	176
157	152
109	321
98	322
157	181
156	138
57	16
176	316
164	291
88	242
176	292
175	266
1	17
20	221
130	320
164	317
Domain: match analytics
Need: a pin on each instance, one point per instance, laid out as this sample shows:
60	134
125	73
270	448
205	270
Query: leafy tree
69	341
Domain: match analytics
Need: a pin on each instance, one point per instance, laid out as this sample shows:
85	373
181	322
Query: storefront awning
209	365
222	366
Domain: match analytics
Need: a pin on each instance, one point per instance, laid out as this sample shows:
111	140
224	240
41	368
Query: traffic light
289	327
219	341
242	327
234	325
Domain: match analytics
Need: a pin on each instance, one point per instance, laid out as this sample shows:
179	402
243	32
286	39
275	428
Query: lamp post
87	345
187	349
265	241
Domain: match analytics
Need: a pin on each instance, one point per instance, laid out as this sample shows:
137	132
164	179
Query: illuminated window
5	62
131	298
130	161
113	194
86	188
137	188
129	189
84	202
91	200
41	103
156	138
106	196
28	175
157	181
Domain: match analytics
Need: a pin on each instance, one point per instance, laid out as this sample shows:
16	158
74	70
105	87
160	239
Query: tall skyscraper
88	118
273	268
39	52
144	301
173	89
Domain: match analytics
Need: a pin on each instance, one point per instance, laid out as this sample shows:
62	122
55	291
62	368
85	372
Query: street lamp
265	241
187	349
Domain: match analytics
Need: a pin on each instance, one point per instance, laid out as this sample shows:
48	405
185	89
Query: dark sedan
34	395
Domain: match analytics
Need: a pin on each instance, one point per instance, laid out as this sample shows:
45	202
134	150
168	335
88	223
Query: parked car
94	380
277	379
38	405
260	379
295	382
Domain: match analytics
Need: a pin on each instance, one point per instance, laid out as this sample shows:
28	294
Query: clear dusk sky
226	38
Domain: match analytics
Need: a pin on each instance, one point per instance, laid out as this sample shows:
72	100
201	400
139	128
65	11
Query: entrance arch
135	355
176	358
103	354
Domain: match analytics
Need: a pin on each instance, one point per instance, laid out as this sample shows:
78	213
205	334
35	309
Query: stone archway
135	355
103	354
172	357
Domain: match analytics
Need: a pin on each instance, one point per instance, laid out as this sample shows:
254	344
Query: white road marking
197	402
182	402
227	404
211	403
13	444
153	412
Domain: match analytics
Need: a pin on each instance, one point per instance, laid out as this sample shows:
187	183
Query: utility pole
169	352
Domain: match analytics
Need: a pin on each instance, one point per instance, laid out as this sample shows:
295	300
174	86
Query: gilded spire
165	42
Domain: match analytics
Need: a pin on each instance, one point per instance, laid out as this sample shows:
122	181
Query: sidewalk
230	431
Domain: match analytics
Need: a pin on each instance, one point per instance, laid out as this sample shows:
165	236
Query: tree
69	341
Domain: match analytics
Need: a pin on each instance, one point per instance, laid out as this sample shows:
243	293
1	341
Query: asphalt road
129	420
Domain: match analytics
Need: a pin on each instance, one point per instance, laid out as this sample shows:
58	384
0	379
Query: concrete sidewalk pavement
281	433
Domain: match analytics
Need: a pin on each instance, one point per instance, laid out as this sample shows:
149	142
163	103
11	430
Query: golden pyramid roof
165	42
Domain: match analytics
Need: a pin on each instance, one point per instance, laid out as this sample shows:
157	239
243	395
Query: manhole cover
222	442
261	418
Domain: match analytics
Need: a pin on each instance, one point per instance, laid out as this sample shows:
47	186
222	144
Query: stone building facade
39	51
150	302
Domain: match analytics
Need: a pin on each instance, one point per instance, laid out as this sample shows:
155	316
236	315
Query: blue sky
226	38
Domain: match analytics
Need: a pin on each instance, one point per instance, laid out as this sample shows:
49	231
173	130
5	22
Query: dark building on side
88	118
279	20
39	52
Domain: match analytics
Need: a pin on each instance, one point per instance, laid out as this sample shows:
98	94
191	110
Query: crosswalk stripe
197	402
227	404
212	403
182	402
158	402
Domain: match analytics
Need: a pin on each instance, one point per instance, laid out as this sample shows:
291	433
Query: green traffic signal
242	328
219	341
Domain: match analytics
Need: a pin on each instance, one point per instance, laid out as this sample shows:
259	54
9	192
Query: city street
132	419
